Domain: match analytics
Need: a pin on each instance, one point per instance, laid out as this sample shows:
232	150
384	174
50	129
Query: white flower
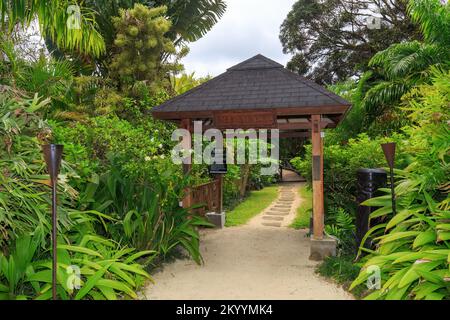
147	158
160	146
163	156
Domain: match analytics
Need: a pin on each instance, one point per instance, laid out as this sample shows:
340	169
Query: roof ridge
269	64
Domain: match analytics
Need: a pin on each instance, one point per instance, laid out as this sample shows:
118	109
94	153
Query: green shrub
147	209
341	163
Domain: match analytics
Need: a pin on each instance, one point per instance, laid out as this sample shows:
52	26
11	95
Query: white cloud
247	28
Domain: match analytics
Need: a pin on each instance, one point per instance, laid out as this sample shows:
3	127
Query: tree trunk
245	174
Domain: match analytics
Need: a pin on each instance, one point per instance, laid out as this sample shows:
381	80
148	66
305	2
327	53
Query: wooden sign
245	120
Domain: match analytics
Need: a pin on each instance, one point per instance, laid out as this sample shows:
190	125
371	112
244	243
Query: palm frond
408	58
54	17
383	94
433	18
193	19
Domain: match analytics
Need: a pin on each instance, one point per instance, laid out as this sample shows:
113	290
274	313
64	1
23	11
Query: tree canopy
332	40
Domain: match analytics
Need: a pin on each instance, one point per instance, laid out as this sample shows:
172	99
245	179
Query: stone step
272	224
273	218
273	213
284	210
281	206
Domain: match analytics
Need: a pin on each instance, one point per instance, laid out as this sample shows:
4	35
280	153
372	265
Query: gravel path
261	260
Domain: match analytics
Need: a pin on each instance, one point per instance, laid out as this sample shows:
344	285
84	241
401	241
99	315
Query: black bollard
369	181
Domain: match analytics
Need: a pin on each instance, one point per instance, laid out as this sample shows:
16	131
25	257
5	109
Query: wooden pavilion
260	93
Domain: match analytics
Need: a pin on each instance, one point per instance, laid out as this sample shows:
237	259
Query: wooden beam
286	135
317	168
292	111
300	126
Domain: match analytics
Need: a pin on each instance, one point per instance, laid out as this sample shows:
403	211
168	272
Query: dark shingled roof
257	83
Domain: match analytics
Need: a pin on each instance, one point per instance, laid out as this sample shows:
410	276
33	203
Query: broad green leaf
139	255
41	276
397	235
114	284
443	236
424	238
93	238
367	235
445	226
80	250
396	293
381	212
401	216
91	282
374	295
435	296
108	292
410	256
383	201
115	269
430	276
424	289
395	279
135	268
412	274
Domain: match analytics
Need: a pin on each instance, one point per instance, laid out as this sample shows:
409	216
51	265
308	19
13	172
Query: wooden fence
209	195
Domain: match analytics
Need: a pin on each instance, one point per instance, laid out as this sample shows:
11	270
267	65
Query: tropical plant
412	247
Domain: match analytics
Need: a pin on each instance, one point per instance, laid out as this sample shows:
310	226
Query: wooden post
220	191
317	168
187	145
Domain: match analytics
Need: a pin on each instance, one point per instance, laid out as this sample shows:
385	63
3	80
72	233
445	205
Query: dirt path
261	260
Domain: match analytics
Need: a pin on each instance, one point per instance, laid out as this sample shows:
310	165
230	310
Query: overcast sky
247	28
